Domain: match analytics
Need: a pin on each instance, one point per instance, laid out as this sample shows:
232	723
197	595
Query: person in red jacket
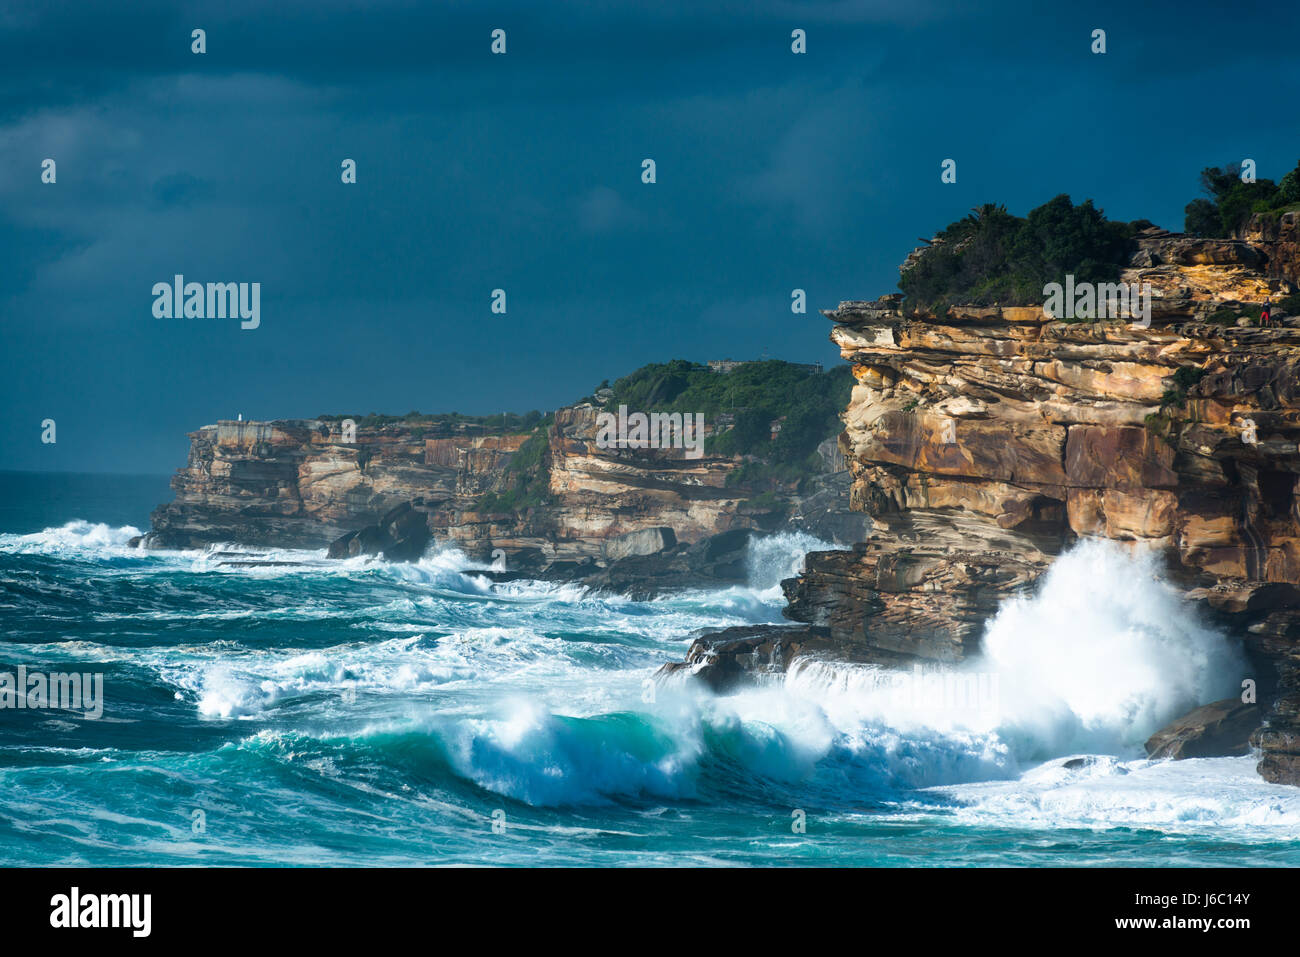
1265	315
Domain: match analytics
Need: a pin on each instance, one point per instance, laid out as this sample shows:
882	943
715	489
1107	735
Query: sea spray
773	558
1036	693
1098	657
1103	654
77	537
363	713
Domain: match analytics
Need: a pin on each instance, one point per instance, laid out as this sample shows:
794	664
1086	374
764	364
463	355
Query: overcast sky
523	172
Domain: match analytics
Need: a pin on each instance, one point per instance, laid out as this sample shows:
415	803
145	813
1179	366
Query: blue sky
523	172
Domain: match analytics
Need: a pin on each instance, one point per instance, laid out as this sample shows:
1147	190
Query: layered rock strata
639	520
983	442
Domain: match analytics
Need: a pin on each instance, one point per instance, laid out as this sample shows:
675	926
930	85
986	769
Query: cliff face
983	443
1280	237
600	494
296	483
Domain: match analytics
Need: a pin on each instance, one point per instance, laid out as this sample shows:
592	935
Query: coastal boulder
718	559
644	541
740	656
1217	730
400	536
406	532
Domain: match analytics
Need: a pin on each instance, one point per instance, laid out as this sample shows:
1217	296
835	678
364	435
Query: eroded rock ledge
638	521
984	442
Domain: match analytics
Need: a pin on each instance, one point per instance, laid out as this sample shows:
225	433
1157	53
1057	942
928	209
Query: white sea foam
1098	657
1103	655
72	538
1095	660
774	558
1202	794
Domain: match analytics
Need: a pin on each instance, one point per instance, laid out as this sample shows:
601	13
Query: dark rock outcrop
720	559
1216	730
401	535
1279	236
737	657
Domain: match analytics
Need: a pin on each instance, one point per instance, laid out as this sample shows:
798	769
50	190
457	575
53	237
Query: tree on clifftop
1232	202
992	256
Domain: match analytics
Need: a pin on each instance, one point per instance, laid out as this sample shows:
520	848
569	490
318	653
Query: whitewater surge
1063	673
1206	795
774	558
405	704
1104	655
78	537
1100	656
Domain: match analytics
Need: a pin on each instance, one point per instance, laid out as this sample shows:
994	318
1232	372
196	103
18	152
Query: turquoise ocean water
359	713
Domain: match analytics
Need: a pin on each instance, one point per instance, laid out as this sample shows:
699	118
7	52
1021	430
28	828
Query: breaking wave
429	689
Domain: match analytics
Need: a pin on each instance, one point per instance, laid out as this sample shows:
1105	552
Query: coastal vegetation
994	257
1229	202
500	423
526	477
773	411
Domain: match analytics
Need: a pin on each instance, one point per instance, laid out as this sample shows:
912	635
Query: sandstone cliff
984	442
294	483
297	483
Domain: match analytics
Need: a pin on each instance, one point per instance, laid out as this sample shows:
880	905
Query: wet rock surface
739	657
401	535
1220	729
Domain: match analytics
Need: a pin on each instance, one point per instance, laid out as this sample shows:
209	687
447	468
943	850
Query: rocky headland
984	440
635	520
979	442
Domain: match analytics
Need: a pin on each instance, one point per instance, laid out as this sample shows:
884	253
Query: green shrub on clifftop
993	257
1231	202
805	404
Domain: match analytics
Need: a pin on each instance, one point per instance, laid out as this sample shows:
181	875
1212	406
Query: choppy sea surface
361	713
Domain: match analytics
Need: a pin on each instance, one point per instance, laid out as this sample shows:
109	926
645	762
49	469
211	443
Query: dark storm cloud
523	172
